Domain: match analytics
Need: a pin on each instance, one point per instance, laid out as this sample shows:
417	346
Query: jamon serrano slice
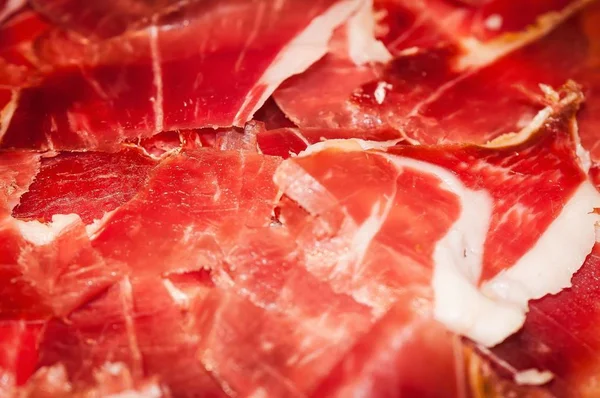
111	380
482	281
97	94
433	91
46	269
18	353
195	202
400	355
137	324
559	338
88	184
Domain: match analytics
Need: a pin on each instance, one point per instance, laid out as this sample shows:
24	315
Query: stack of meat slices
293	198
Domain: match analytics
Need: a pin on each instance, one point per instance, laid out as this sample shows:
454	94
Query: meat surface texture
290	198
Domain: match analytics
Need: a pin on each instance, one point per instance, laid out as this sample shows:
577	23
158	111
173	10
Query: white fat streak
548	266
157	102
176	294
7	112
94	229
480	54
381	91
150	391
457	258
299	54
585	159
491	314
10	7
363	47
511	139
40	233
351	144
533	377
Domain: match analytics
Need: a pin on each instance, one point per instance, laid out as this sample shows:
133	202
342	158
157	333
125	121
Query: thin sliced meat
18	353
427	23
282	352
107	18
111	380
504	97
127	326
475	268
560	336
88	184
17	172
435	91
98	94
19	65
49	269
284	142
194	202
399	356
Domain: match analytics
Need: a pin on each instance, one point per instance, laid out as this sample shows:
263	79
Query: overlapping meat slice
195	202
138	325
97	94
477	272
400	355
435	90
49	266
88	184
470	24
18	353
559	339
504	96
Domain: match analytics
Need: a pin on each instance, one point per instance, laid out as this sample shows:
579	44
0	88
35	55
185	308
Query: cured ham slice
427	23
101	93
468	250
286	141
434	91
398	357
18	353
112	380
87	184
558	339
133	311
198	199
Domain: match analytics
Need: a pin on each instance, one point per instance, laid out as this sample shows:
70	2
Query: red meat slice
18	353
88	184
137	324
399	356
560	336
45	269
17	171
434	90
427	23
107	18
19	65
111	380
101	93
49	270
504	97
281	350
195	202
284	142
369	220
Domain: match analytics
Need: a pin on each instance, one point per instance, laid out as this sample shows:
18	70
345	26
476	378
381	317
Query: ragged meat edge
478	54
307	48
497	309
